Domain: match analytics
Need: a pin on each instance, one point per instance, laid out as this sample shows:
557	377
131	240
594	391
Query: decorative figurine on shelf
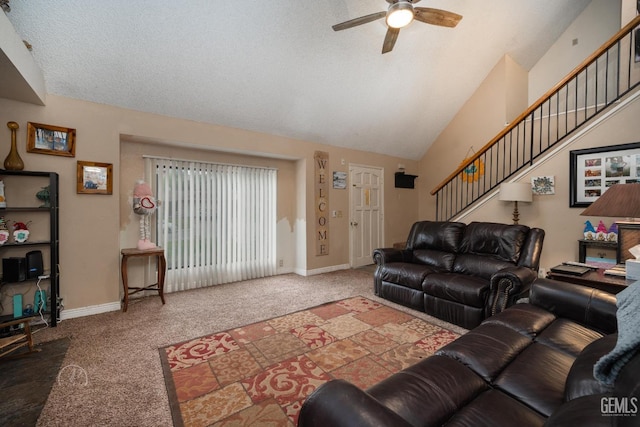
601	231
144	204
612	235
20	232
43	195
589	231
3	201
4	231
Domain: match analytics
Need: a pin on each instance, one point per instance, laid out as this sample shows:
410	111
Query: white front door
366	214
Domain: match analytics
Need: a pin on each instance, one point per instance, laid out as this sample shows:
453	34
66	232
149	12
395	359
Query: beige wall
599	21
508	90
477	122
91	225
563	225
480	120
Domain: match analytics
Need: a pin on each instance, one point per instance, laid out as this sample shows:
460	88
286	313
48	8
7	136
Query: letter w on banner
321	160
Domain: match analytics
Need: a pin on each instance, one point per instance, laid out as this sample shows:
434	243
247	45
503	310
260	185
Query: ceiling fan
400	14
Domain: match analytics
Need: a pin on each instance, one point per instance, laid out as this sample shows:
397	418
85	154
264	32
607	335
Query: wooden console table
584	244
161	263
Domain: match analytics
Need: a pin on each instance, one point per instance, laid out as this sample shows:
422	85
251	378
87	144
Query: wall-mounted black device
14	269
404	180
34	264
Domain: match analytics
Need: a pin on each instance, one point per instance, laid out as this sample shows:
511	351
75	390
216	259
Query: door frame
351	208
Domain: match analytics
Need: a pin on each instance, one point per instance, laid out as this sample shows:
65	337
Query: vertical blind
216	222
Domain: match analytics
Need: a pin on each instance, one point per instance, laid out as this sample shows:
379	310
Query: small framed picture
340	180
54	140
94	178
543	185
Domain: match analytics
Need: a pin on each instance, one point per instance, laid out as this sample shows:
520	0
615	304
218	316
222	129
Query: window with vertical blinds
216	222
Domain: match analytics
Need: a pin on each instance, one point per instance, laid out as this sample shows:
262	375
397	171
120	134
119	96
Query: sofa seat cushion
581	381
429	392
536	377
407	274
479	265
467	290
585	411
495	409
487	349
568	336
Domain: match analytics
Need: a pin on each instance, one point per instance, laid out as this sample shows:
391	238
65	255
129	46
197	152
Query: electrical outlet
281	263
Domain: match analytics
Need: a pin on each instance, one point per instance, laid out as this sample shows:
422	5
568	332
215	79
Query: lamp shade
516	192
619	201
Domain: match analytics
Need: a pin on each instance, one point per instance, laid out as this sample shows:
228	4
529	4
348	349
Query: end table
161	266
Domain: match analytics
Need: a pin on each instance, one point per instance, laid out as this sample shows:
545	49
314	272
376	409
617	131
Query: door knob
355	224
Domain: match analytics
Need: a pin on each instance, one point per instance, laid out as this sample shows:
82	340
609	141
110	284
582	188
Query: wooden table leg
123	269
162	267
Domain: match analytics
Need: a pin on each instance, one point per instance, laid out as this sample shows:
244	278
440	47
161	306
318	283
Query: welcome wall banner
321	160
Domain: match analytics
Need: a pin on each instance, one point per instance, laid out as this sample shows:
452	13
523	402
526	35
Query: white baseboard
88	311
322	270
285	270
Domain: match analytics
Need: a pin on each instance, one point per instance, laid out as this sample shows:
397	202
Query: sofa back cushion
479	265
436	235
501	241
438	259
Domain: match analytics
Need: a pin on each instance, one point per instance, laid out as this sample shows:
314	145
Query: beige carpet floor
112	376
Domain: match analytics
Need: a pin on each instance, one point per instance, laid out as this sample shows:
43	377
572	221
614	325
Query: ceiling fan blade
359	21
439	17
390	39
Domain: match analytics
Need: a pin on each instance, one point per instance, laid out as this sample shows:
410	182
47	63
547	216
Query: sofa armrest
508	285
383	256
591	307
339	403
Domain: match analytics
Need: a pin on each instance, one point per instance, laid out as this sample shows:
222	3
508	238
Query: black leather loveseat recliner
460	273
530	365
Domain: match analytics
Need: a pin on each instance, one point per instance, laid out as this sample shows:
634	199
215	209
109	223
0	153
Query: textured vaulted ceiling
276	66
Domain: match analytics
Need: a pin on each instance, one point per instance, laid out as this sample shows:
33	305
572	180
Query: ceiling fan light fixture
400	14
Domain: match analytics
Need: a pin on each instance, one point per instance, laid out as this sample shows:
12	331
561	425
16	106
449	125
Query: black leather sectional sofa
457	272
530	365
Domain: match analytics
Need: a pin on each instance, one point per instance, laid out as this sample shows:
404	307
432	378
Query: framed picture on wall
593	170
94	178
48	139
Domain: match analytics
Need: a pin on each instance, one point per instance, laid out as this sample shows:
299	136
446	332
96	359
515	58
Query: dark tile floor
26	380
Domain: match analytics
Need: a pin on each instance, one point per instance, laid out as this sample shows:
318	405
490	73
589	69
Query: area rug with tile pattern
261	373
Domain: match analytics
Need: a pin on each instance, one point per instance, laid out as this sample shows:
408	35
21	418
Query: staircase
601	81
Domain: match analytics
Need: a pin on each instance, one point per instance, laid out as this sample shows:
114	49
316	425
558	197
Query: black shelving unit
53	239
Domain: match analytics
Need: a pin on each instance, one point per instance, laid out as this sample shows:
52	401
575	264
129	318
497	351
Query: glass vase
13	162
